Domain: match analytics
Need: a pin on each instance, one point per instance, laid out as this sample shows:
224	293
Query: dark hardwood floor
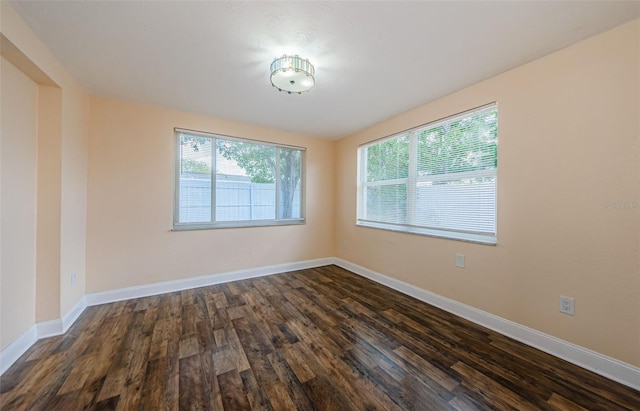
317	339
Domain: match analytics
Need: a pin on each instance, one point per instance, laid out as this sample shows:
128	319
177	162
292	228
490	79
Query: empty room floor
316	339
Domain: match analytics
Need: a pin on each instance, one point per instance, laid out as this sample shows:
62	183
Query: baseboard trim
15	350
128	293
49	328
72	315
58	326
608	367
39	331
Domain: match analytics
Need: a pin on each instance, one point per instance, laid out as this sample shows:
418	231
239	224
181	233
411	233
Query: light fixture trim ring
292	74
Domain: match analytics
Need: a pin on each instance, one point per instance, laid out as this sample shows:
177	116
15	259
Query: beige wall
568	193
18	139
568	216
49	191
73	221
130	202
61	169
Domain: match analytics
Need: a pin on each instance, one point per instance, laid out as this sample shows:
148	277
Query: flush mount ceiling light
292	74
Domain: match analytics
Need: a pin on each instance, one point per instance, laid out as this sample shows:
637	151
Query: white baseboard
59	326
608	367
122	294
72	315
39	331
11	354
49	328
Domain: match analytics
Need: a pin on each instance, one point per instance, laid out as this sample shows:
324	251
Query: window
230	182
438	179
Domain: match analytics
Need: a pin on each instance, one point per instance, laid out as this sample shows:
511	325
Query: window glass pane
467	144
195	179
245	181
388	160
229	182
290	183
387	203
438	179
463	205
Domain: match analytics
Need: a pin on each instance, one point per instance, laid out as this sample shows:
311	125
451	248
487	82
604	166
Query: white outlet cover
566	305
460	260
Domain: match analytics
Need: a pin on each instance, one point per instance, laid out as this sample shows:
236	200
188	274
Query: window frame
181	226
412	180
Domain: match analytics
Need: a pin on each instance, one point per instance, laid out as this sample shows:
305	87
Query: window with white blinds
438	179
230	182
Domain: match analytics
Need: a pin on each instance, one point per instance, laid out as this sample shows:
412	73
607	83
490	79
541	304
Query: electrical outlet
74	278
566	305
460	260
345	244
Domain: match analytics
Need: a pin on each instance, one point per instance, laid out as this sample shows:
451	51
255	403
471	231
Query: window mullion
271	203
177	174
457	176
449	189
277	175
363	184
214	148
411	181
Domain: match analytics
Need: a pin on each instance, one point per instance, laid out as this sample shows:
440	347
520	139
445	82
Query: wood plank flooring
317	339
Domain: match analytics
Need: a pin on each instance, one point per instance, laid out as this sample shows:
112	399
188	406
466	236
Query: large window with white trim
439	179
223	181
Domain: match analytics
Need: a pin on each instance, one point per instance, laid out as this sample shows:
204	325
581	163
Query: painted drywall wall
18	165
73	219
64	160
130	202
570	226
568	195
49	193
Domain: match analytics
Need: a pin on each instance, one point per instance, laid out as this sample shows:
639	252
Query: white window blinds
229	182
438	179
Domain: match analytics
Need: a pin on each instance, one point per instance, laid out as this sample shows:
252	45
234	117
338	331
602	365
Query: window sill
236	224
467	237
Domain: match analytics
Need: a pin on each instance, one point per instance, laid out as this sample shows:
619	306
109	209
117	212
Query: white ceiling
373	60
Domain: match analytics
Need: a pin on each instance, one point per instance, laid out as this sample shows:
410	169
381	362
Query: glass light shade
292	74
